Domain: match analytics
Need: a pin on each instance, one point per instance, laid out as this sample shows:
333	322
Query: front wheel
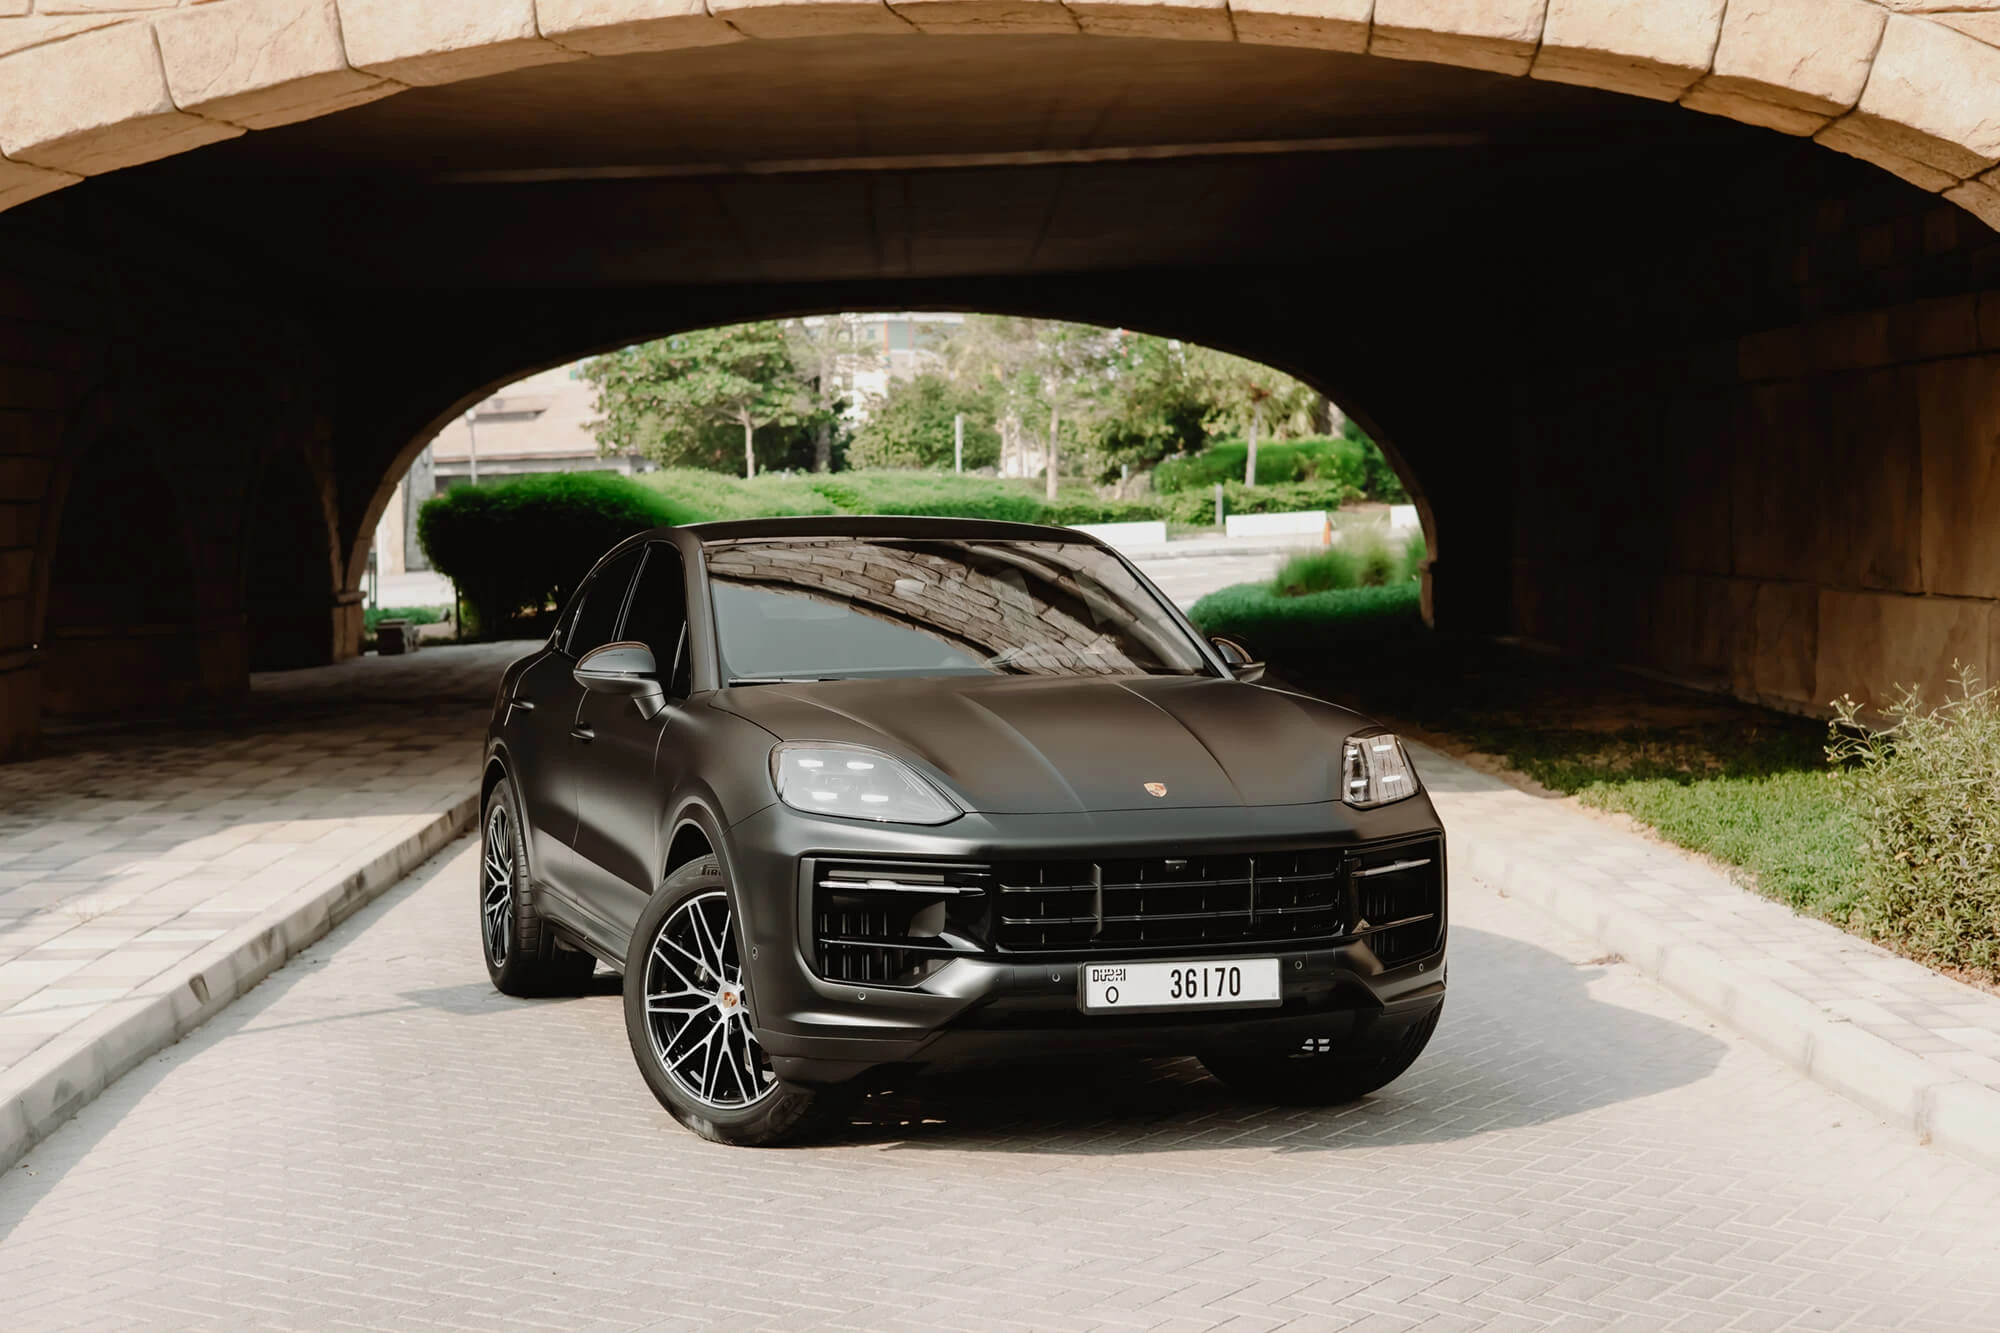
687	1015
1320	1074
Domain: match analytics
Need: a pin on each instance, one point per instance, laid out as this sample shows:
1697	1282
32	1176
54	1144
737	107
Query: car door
599	607
535	726
627	767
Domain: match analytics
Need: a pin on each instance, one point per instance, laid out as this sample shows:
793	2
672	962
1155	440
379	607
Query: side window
658	617
596	621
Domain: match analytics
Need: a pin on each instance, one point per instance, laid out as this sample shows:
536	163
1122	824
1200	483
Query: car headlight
856	783
1376	770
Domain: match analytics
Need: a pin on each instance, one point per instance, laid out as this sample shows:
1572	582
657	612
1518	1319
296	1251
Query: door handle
586	732
525	705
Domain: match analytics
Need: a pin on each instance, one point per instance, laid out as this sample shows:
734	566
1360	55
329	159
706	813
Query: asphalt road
375	1139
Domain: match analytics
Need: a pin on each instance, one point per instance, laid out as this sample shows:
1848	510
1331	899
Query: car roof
883	525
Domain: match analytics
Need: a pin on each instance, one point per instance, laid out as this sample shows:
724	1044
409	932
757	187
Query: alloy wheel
496	885
697	1010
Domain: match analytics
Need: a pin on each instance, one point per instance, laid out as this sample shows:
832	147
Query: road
375	1139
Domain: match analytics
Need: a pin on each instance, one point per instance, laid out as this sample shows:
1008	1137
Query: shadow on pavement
1522	1043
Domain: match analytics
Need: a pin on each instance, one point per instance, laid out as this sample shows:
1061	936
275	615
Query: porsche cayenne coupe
843	797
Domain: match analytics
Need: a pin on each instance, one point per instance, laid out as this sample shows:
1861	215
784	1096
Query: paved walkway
375	1139
124	853
1684	902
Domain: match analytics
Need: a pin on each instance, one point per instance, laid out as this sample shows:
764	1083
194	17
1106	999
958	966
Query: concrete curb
1902	1086
53	1083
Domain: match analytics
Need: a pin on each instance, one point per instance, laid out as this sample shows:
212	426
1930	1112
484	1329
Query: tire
522	954
1322	1078
691	1029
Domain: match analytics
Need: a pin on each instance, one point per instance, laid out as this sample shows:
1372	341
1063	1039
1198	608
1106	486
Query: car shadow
1522	1042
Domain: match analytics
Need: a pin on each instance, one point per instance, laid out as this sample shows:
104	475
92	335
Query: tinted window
597	619
836	607
657	616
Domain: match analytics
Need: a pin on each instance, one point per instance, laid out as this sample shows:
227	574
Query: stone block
1849	342
1984	25
1774	354
1647	48
94	103
810	18
260	63
1495	35
443	43
1785	642
1989	320
1978	198
620	27
21	33
1326	25
1932	97
950	17
1872	644
1859	139
1771	482
1752	110
20	708
20	182
1864	479
1943	326
1189	20
1790	64
1958	407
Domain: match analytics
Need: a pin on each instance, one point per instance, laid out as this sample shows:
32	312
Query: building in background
537	424
900	346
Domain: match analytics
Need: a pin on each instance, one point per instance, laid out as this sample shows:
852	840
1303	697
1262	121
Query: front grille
893	923
1270	897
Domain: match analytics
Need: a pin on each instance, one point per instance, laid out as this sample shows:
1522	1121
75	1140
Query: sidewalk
146	878
1913	1046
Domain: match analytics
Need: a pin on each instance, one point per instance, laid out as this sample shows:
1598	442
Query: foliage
665	399
514	549
1251	399
913	427
1154	406
417	615
714	495
1378	480
1923	790
1198	506
828	350
1363	558
1316	626
1357	463
706	495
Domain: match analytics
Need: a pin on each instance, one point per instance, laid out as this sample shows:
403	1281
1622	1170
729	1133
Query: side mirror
1238	659
626	669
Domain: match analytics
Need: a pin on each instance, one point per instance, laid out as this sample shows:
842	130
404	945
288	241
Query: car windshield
837	608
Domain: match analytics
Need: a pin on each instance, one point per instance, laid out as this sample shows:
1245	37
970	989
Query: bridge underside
1674	391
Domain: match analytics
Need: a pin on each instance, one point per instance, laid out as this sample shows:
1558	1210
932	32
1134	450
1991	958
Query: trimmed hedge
1198	506
943	494
1357	464
1314	628
515	549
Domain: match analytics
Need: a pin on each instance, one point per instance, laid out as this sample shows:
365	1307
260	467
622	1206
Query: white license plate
1209	983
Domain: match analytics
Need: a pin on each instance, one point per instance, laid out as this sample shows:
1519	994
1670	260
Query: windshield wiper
778	680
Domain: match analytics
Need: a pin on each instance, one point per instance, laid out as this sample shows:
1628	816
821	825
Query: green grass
1364	558
1307	630
945	494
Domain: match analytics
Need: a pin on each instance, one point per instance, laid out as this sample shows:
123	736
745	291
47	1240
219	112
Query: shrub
1364	558
1315	628
417	615
1924	790
1198	506
513	549
913	426
715	495
1356	463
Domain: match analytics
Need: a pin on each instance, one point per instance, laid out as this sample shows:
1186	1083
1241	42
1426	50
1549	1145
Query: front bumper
1000	1006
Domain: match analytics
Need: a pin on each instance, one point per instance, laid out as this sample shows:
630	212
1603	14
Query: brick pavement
375	1139
122	853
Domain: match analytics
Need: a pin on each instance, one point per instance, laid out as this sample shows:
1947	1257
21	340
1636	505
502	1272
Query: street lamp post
958	443
472	447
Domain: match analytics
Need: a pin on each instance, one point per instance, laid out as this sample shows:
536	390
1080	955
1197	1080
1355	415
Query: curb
55	1082
1941	1107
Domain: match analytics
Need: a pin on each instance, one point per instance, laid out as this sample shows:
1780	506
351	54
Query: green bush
1317	627
514	549
913	427
1356	463
417	615
1924	790
712	495
1364	558
1198	506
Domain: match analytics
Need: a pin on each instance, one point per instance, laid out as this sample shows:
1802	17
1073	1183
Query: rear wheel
1322	1076
523	956
687	1015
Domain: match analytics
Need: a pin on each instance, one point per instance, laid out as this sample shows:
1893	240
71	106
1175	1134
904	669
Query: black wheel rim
697	1008
496	886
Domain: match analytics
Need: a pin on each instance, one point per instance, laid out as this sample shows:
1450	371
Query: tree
912	427
659	399
829	348
1155	404
1247	393
1073	363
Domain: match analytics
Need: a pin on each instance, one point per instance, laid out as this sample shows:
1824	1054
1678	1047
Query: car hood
1033	745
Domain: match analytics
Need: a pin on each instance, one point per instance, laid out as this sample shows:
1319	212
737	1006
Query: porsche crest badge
1156	789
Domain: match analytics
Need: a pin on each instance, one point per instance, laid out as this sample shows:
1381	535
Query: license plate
1211	983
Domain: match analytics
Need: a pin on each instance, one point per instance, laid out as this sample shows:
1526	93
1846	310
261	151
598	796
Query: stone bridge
1681	317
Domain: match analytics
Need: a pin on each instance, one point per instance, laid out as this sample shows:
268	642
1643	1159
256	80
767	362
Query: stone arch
289	576
1918	95
119	630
